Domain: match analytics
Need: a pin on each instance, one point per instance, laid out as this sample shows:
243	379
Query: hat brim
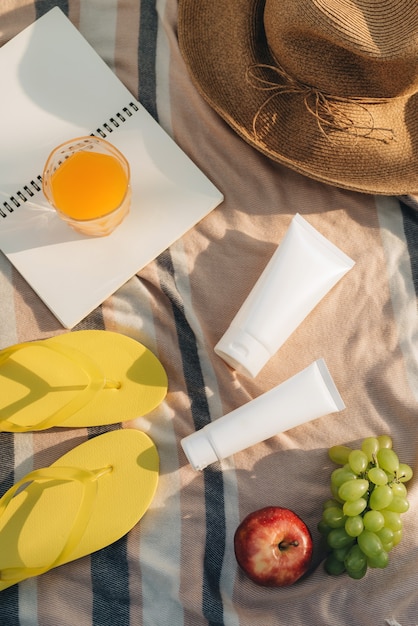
220	41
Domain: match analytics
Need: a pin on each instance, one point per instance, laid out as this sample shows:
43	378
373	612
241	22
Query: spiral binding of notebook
35	185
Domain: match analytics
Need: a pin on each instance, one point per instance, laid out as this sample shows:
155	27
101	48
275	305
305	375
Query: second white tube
306	396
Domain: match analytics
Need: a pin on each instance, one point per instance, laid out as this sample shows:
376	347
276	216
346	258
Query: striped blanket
177	566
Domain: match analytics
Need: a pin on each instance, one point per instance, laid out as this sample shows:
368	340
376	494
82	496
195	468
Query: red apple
273	546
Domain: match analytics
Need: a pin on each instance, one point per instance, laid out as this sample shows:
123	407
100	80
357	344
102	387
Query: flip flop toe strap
96	382
89	481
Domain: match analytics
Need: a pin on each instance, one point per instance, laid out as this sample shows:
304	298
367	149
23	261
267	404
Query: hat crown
351	48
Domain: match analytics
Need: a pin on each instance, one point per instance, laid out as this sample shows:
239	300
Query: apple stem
284	545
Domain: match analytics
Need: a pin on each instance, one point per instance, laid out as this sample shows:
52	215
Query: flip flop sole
35	382
39	519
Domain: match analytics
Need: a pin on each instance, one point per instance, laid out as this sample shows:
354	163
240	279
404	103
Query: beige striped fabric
177	566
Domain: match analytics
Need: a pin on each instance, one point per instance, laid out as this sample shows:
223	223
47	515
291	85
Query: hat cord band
328	110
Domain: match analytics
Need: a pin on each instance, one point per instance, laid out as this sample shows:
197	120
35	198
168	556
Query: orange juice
88	185
87	181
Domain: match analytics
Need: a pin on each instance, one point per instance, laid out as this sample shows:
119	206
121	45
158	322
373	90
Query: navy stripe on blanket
147	51
110	582
110	573
94	320
212	607
43	6
9	606
410	224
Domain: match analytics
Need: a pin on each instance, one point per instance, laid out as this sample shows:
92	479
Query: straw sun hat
326	87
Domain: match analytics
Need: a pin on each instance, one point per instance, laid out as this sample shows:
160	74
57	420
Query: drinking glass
87	181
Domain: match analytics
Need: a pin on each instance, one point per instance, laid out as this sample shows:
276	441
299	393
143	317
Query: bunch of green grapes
362	522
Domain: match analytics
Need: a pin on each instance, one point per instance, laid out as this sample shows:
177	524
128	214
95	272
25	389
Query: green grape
370	446
338	538
334	491
398	505
353	489
354	525
339	454
387	547
329	503
399	489
377	476
369	543
333	566
333	517
388	460
390	477
385	535
323	528
341	475
355	559
357	573
404	473
397	536
341	553
381	497
354	507
374	521
358	461
381	560
384	441
392	520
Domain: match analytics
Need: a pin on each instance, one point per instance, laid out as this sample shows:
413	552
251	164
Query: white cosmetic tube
301	271
306	396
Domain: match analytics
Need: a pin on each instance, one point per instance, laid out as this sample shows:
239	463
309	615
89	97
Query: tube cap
242	351
198	450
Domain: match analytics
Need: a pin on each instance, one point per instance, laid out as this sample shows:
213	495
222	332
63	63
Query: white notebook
56	87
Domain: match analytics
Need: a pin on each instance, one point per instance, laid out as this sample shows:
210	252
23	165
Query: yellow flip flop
78	379
89	498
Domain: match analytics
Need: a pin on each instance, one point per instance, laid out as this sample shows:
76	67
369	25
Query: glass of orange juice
87	181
